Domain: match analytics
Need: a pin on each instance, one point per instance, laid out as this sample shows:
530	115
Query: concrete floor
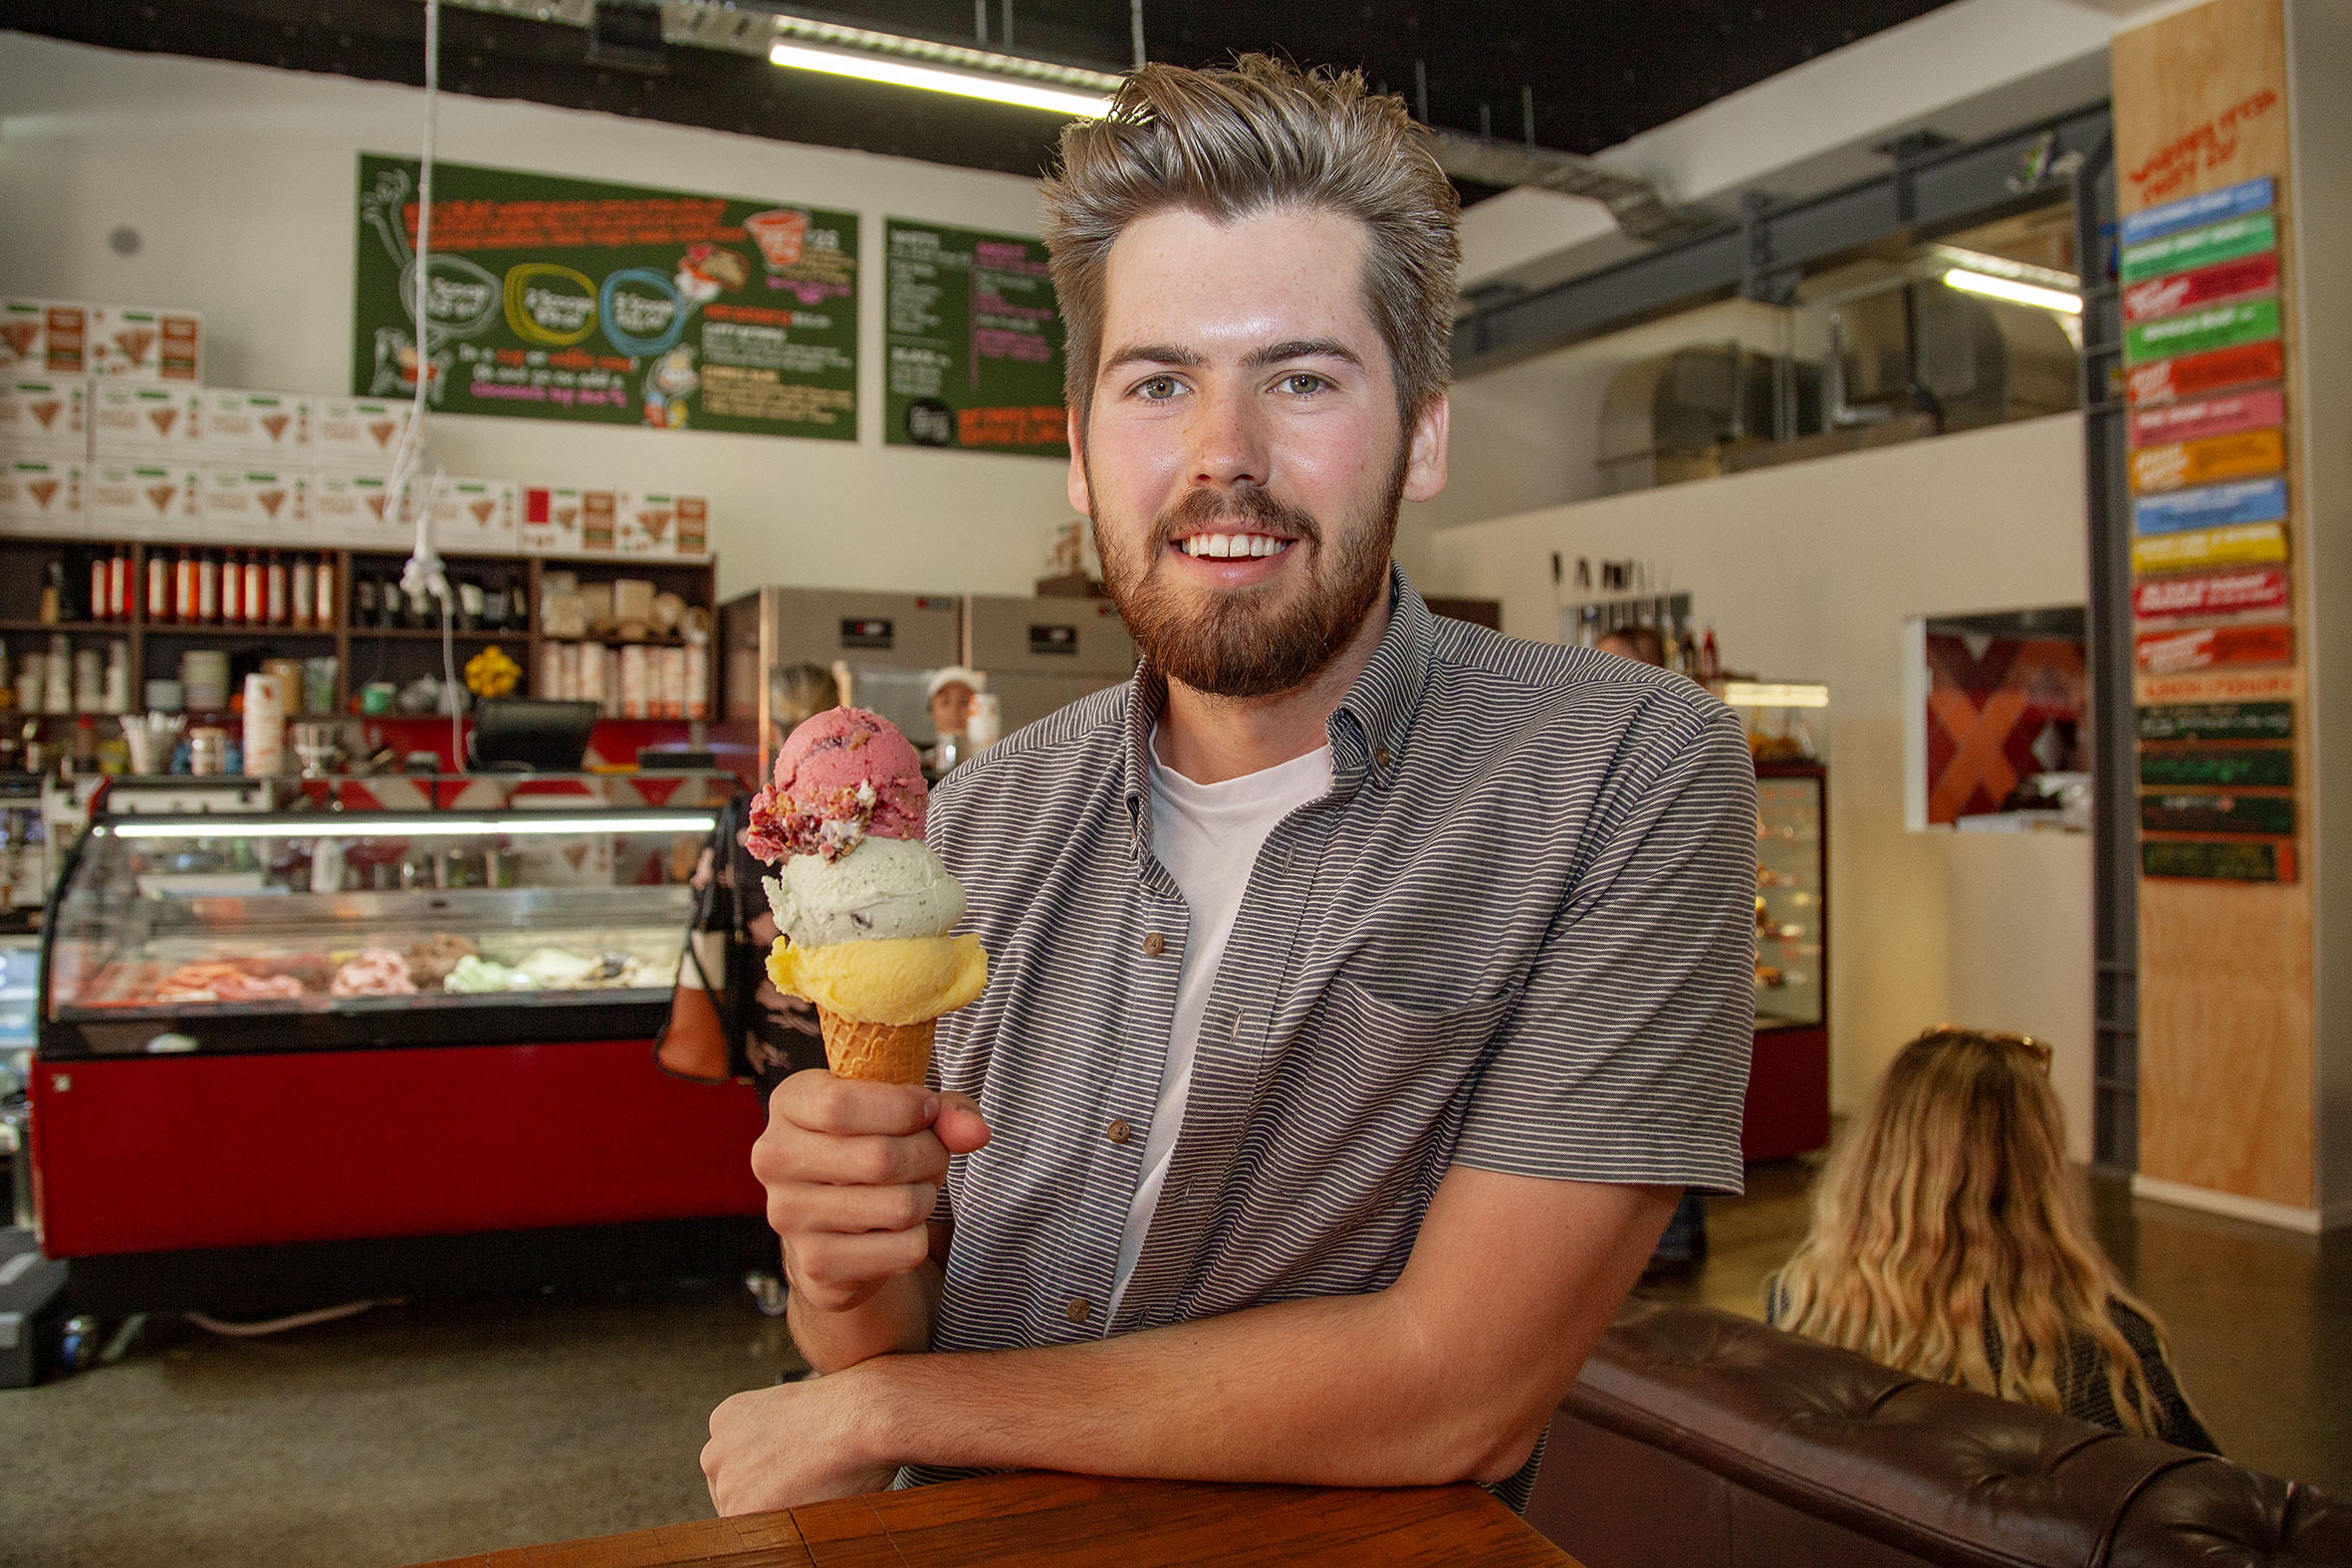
441	1429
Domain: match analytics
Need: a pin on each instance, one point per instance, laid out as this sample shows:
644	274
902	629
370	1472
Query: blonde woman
1948	1242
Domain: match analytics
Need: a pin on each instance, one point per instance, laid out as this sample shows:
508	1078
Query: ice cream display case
1789	1078
308	1027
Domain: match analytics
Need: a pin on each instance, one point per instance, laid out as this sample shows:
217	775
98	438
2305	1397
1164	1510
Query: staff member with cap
953	686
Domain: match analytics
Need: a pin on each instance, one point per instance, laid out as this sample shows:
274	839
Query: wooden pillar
2237	524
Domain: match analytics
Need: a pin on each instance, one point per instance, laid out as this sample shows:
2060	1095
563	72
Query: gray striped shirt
1517	935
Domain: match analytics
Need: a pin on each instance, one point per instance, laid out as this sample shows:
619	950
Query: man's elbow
1506	1449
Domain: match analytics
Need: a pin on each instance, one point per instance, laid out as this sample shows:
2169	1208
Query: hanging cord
280	1325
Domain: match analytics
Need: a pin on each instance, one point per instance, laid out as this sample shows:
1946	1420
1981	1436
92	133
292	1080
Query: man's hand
782	1447
852	1171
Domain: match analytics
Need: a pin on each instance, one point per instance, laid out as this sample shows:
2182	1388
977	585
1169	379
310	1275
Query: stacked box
135	344
272	426
150	498
663	525
41	495
263	505
473	516
44	416
356	434
354	509
129	419
43	338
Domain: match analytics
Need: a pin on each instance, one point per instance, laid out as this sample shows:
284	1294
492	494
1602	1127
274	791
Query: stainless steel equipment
1040	654
886	643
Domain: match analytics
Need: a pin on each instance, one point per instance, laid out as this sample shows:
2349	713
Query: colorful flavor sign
2208	416
2193	376
2220	326
551	298
2189	212
2209	812
974	343
2255	594
2221	768
2208	459
2194	248
2215	505
2185	291
2217	720
2217	860
2248	545
2212	648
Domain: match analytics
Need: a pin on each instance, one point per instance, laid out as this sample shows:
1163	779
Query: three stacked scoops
862	906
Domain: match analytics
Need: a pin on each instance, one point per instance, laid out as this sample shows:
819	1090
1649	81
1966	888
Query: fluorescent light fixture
360	824
1067	101
2016	293
1775	694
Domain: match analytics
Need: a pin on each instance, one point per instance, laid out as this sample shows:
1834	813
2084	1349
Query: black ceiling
1598	71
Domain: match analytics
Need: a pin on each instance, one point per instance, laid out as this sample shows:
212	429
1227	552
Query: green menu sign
568	298
973	341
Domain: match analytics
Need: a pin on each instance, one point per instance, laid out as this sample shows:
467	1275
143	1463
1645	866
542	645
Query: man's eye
1158	390
1303	384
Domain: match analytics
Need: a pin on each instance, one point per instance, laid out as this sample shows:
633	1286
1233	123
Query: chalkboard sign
568	298
973	343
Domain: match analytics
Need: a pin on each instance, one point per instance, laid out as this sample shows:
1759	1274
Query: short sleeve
1625	1058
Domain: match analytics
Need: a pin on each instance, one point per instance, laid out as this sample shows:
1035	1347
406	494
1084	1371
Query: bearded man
1365	986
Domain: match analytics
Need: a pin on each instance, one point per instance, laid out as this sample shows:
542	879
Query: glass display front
225	927
1788	900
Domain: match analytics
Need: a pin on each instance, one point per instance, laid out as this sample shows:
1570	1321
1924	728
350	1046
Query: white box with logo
41	495
275	425
261	505
129	418
473	516
356	434
46	415
152	499
355	510
131	343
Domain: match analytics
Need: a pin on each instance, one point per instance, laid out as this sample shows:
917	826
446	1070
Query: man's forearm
1336	1391
895	1319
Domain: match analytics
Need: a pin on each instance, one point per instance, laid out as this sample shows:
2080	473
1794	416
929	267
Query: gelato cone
880	1052
864	905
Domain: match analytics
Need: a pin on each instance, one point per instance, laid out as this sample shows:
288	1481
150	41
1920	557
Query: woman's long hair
1949	1209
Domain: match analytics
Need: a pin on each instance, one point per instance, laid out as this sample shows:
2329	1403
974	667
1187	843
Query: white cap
950	674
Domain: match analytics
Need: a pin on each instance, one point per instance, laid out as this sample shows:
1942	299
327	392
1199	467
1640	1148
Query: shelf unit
362	653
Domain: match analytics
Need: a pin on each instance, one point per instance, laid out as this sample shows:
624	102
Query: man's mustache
1198	509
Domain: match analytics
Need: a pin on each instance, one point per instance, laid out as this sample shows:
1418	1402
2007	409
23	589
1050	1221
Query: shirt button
1154	944
1078	1312
1119	1131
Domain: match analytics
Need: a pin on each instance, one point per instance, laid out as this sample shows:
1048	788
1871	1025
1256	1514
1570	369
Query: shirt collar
1368	730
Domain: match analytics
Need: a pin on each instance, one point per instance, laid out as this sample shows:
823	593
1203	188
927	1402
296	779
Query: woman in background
1948	1242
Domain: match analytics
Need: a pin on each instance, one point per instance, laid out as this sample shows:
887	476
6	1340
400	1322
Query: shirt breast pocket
1400	1062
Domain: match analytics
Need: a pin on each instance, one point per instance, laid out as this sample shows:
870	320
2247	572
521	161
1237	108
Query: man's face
951	707
1243	457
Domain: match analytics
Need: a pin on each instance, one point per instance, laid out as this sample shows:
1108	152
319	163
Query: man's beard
1247	643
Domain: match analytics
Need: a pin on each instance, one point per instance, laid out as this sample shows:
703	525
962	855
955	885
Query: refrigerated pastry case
1788	1110
1043	654
317	1054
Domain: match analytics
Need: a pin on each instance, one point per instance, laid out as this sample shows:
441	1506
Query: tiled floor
2260	1321
434	1429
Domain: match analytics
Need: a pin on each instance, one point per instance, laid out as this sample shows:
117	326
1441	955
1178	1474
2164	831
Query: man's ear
1425	465
1081	498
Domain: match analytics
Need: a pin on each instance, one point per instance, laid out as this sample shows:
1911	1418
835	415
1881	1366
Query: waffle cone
882	1053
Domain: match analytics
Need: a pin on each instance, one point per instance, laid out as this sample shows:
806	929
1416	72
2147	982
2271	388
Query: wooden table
1051	1519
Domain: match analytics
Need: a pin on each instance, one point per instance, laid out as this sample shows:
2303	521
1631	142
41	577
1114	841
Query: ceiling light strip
985	61
2013	291
901	73
361	824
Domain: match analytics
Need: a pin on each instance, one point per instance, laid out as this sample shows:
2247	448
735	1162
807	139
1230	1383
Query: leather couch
1697	1438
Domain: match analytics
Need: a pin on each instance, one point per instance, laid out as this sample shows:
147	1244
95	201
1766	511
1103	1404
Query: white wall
1809	572
242	181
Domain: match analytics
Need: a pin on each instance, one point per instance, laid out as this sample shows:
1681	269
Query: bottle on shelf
302	593
257	603
208	588
232	591
280	610
183	588
53	593
325	589
1710	663
97	588
364	601
158	589
118	586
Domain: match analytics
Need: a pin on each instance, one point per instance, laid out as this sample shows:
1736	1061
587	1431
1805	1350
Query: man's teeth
1228	546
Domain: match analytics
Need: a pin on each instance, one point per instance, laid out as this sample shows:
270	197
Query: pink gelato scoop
843	775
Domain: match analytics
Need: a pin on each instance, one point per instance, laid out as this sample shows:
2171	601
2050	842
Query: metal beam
1922	195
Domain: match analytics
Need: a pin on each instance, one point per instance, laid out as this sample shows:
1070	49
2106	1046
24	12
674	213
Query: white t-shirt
1207	836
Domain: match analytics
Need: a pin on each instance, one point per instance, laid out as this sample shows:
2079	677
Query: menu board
551	298
974	343
2211	513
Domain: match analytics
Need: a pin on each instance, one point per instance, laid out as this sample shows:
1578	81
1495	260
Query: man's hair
1261	135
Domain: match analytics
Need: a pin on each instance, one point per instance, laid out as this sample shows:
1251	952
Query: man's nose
1227	442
